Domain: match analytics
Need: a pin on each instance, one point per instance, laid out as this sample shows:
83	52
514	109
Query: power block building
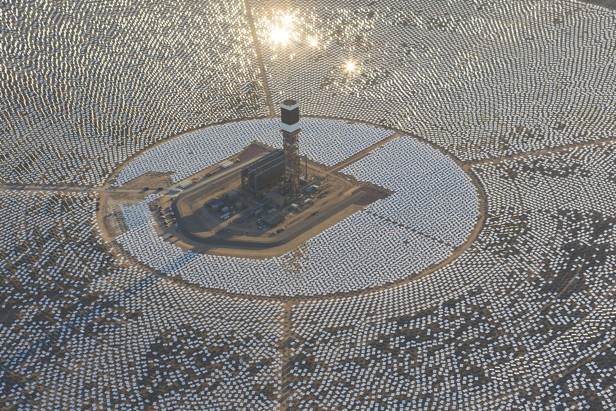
266	171
279	165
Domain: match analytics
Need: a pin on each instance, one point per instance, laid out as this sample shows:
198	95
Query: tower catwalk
289	113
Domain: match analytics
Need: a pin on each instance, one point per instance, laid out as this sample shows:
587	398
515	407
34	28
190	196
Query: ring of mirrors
430	214
520	92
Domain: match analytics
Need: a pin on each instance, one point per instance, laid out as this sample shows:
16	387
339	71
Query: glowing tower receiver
289	114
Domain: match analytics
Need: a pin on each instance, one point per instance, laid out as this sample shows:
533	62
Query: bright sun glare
287	19
350	66
280	35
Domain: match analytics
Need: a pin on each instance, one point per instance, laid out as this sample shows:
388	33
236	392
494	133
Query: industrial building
267	170
279	165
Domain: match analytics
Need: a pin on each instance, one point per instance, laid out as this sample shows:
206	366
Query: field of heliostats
486	280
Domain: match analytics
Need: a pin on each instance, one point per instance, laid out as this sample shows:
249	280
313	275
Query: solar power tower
289	113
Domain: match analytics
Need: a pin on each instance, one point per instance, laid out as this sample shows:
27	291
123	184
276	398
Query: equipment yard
218	216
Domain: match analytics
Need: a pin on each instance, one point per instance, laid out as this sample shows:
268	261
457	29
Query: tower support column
289	113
